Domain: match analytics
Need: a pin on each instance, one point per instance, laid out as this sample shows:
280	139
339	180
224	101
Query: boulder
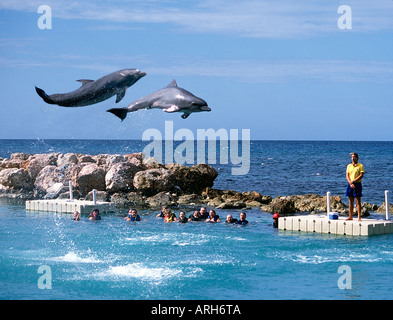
46	178
193	179
382	208
39	161
160	199
120	177
16	179
90	177
67	159
55	190
153	181
189	199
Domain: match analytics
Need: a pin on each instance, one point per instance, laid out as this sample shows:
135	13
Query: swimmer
230	219
169	216
132	215
196	216
162	213
203	213
95	215
182	217
275	220
76	216
242	221
213	217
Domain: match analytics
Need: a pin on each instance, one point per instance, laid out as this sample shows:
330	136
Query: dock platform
322	224
69	206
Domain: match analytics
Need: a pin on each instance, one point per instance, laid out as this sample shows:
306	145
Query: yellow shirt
355	171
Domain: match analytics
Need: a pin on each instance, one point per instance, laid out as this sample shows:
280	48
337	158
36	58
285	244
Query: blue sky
282	69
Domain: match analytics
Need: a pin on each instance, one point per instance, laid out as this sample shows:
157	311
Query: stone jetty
131	180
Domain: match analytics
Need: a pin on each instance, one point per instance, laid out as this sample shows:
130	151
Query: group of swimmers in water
169	216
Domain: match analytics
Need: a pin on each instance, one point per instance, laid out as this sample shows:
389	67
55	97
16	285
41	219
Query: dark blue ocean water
115	259
276	167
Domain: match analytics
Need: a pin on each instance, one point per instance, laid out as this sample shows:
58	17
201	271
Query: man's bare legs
351	207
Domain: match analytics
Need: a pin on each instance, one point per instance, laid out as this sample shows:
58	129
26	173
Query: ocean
49	256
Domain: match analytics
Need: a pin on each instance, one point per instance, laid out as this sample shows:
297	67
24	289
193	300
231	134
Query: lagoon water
115	259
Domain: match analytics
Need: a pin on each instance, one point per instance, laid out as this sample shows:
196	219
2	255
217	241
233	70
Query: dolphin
170	99
92	92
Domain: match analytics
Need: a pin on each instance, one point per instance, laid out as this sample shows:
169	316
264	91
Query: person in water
162	213
132	215
242	221
230	219
275	220
196	216
213	217
76	216
95	215
169	216
203	213
182	217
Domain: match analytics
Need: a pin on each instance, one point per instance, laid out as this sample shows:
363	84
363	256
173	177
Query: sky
285	70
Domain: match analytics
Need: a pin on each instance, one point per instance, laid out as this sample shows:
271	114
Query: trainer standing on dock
355	172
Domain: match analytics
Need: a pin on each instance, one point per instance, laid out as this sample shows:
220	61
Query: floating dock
322	224
69	206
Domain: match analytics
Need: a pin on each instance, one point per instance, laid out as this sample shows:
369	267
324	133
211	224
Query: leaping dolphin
170	99
92	92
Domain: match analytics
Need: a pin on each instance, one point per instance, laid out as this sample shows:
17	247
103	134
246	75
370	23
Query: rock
67	159
189	199
152	163
153	181
120	177
232	204
39	161
90	177
46	178
86	158
253	203
160	199
20	156
382	208
100	196
193	179
16	179
55	190
282	205
132	199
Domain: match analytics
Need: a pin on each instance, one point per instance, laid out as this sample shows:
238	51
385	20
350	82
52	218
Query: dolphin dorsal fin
85	81
172	84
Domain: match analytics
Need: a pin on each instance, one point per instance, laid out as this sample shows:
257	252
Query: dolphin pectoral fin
121	94
185	115
118	112
85	81
171	109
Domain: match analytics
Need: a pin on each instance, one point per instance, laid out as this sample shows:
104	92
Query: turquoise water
115	259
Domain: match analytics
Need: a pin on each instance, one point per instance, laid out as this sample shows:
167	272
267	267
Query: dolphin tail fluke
119	112
43	95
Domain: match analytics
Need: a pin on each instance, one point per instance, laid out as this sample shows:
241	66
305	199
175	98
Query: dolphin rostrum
170	99
92	92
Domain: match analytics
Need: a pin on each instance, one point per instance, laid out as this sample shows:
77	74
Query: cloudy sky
283	69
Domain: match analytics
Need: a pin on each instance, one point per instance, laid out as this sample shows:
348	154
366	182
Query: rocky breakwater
131	180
